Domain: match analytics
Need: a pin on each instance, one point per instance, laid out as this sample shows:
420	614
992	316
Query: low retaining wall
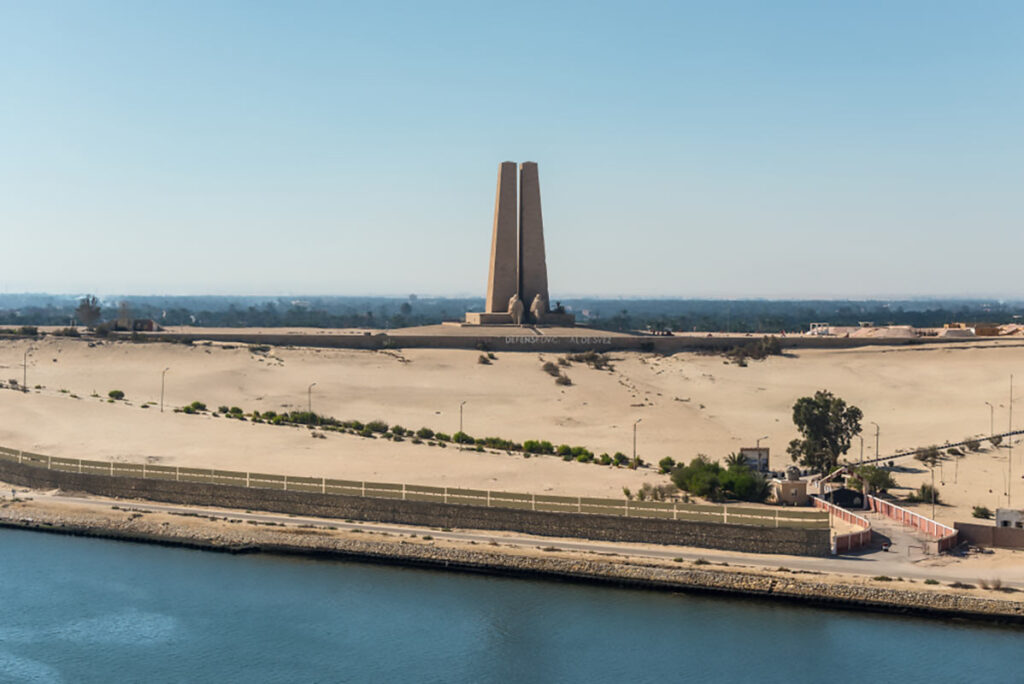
944	537
990	535
793	541
516	340
852	540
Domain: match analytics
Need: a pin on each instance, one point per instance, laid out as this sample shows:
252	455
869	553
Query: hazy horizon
739	150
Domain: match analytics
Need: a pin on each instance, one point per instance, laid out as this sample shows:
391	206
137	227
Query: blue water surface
87	610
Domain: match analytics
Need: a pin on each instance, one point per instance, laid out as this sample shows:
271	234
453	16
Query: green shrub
483	360
377	426
461	437
605	459
924	494
222	409
879	479
620	458
551	369
425	433
931	581
115	394
442	437
666	464
981	512
972	444
563	380
398	430
564	450
995	440
235	410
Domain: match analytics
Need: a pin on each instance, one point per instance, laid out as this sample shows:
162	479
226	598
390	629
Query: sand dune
687	404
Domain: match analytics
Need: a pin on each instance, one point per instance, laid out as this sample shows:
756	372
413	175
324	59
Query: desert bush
666	464
377	426
258	348
425	433
461	437
483	360
115	394
562	361
551	369
995	440
563	380
924	494
593	359
981	512
585	457
67	332
533	446
442	437
605	459
398	430
931	581
880	479
235	410
222	409
564	450
620	458
972	444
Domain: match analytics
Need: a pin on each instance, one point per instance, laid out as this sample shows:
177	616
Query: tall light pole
861	438
309	397
635	463
24	370
1009	455
163	373
991	419
461	404
878	431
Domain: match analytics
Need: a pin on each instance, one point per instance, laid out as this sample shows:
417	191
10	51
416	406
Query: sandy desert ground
687	404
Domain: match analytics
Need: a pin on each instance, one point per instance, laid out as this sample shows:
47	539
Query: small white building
1009	517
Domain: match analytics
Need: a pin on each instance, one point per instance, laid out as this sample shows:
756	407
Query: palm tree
735	460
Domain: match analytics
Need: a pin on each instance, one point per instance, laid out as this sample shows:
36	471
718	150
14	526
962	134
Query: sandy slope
688	404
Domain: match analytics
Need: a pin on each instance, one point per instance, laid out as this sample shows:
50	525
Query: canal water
87	610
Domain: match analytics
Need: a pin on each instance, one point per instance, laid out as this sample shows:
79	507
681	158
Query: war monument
517	284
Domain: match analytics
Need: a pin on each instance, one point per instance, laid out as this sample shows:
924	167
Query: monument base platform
497	318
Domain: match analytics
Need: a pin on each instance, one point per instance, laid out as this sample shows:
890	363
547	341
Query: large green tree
826	425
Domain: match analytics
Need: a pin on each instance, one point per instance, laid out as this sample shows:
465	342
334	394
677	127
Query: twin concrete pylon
518	263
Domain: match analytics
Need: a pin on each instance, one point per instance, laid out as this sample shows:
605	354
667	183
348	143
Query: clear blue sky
724	149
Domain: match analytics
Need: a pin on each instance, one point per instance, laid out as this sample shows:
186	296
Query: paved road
871	563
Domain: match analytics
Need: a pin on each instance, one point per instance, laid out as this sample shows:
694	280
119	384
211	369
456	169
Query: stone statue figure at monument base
539	308
516	309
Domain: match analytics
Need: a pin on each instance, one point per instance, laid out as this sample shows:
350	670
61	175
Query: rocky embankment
227	534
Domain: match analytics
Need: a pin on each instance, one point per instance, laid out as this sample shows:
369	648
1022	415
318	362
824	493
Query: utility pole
635	463
24	370
861	438
991	419
162	377
309	397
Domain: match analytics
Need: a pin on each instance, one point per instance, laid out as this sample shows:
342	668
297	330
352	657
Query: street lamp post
24	371
461	404
878	432
309	397
861	438
163	373
991	419
758	445
635	462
